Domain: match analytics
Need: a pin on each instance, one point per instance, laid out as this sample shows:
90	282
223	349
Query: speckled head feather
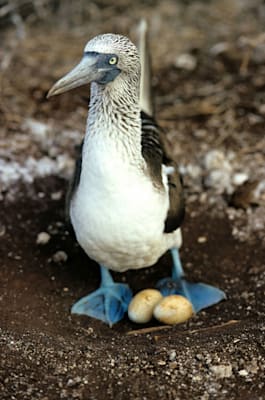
109	43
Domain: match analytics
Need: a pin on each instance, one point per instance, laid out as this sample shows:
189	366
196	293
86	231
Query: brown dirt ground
48	354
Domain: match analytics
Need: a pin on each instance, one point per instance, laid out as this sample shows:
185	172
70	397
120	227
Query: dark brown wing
74	182
155	156
176	210
151	147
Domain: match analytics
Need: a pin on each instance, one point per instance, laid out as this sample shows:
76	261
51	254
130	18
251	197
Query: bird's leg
199	294
108	303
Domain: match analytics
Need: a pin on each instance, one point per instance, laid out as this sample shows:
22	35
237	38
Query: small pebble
202	239
60	257
186	61
243	372
239	178
219	48
43	238
172	355
141	307
173	309
222	371
57	195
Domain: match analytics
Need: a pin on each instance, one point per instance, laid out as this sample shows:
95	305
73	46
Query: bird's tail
146	102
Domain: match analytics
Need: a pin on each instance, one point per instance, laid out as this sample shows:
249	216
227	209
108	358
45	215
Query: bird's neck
114	117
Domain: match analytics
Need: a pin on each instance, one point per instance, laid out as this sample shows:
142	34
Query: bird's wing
155	157
152	148
74	182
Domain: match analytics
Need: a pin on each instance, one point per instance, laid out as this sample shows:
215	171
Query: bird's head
105	58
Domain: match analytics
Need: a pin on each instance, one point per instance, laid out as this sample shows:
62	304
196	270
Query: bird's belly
119	222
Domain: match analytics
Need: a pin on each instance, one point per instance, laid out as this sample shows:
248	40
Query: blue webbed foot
109	303
200	295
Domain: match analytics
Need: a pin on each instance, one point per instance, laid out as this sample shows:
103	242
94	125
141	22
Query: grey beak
84	73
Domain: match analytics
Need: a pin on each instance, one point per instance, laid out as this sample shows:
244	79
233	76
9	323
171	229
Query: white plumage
117	213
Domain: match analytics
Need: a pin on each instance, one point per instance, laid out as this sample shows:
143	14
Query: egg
141	307
173	309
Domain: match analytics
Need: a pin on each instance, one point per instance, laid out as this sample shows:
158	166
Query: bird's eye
113	60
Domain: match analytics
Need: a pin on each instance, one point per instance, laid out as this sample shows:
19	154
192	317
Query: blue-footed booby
126	203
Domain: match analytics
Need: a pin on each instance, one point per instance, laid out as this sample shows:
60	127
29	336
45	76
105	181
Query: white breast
117	213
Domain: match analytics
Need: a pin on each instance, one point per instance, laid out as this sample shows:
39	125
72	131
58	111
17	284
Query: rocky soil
209	81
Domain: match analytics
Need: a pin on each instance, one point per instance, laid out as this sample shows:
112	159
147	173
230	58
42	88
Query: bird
126	200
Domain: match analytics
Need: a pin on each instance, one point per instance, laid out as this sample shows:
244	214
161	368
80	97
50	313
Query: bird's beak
84	73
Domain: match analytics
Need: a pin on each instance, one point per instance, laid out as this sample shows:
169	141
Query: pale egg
173	309
141	307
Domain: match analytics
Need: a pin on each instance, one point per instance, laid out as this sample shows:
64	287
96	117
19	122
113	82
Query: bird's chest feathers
116	201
